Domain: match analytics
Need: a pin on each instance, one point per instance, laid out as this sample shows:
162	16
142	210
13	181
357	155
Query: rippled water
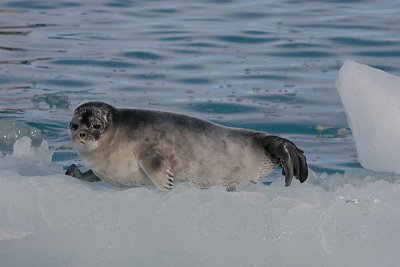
264	65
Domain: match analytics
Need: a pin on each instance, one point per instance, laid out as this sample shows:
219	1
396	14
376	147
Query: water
263	65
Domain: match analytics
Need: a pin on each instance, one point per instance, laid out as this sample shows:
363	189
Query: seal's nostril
82	134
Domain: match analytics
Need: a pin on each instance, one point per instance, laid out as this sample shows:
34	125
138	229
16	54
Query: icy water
263	65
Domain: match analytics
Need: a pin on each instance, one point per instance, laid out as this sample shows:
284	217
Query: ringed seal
134	147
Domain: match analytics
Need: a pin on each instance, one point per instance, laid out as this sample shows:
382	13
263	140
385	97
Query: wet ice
331	220
371	98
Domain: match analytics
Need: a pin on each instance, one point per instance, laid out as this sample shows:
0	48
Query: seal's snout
82	137
82	134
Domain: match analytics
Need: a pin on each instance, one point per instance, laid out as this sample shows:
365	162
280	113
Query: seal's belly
205	163
118	166
125	175
228	165
230	176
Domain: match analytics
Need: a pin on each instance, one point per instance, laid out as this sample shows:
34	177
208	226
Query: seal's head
89	123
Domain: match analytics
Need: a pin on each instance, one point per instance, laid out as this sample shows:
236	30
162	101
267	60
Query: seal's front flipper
288	156
156	168
88	176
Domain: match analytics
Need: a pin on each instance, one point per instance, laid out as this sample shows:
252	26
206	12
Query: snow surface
371	98
48	219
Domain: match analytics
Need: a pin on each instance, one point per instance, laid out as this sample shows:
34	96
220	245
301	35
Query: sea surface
262	65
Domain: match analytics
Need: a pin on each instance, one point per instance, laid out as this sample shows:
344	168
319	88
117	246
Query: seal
135	147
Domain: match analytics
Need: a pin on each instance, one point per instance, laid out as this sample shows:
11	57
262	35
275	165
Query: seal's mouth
85	144
83	140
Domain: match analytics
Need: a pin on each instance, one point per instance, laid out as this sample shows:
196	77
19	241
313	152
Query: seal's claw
289	157
170	178
170	173
169	185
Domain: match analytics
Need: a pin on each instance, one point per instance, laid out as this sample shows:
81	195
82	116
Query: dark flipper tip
71	169
290	158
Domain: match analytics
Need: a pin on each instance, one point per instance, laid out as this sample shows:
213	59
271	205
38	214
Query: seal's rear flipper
288	156
88	176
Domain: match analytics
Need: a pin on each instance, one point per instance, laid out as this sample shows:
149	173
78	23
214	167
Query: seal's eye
73	126
96	126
